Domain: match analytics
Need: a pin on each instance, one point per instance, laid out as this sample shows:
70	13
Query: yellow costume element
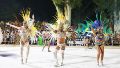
26	17
33	31
61	21
25	14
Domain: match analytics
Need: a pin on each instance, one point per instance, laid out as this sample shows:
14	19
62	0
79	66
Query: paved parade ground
75	57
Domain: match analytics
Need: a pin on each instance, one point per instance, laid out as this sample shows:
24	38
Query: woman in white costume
61	41
27	30
24	33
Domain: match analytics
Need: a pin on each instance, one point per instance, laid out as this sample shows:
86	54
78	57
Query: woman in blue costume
99	40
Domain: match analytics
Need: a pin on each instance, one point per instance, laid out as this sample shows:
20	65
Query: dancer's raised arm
94	32
13	26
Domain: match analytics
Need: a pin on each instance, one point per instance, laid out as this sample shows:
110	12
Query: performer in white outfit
61	37
61	41
24	33
27	30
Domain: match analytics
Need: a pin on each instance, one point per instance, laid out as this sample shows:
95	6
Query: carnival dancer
25	31
61	40
24	39
61	36
99	42
46	37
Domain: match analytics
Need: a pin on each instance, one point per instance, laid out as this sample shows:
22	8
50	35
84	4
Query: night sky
43	10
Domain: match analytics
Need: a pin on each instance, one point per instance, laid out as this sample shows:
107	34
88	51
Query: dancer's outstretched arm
13	26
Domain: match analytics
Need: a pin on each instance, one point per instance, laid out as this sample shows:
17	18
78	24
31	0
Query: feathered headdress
25	13
26	17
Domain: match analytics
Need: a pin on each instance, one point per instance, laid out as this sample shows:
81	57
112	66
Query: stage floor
75	57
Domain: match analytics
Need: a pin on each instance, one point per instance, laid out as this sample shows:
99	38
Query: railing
69	42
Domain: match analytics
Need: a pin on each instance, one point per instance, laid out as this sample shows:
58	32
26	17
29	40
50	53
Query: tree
65	7
106	8
69	5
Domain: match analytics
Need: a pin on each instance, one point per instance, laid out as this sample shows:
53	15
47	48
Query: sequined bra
99	37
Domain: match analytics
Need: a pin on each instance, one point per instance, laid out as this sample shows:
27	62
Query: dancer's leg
55	55
102	53
27	52
21	46
48	43
98	53
45	42
62	54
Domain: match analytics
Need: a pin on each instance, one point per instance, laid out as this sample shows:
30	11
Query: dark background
43	10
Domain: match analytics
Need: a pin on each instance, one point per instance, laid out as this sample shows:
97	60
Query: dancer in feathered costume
1	36
27	30
99	40
47	37
61	37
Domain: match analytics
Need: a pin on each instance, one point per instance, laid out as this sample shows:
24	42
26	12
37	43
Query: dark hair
86	37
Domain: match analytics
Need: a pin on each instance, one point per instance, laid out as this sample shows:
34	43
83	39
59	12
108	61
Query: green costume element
40	41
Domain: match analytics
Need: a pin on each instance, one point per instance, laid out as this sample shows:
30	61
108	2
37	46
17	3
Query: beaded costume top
99	37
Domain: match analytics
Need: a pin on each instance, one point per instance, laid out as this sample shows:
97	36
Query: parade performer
25	32
99	40
61	36
46	37
61	40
